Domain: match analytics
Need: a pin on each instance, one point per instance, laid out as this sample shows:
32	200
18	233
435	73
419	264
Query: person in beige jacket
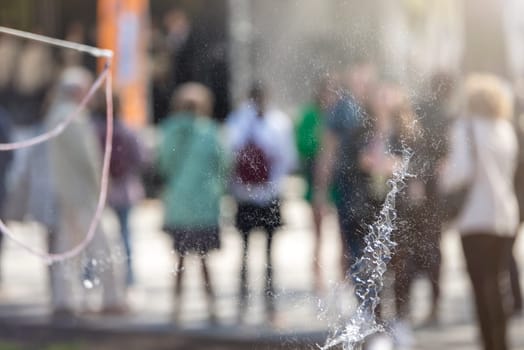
483	152
75	170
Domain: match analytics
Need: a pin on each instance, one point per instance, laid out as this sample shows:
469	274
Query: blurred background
241	54
286	42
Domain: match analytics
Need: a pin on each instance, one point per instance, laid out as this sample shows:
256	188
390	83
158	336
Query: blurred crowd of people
465	137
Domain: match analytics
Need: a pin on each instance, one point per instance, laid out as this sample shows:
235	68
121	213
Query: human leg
244	224
122	214
111	278
269	290
514	278
353	238
434	278
270	220
495	294
245	221
178	287
179	276
484	254
209	289
60	276
64	275
317	247
402	282
345	230
244	285
430	259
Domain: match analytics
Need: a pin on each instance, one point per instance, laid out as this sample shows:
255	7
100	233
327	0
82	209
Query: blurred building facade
289	44
51	17
109	23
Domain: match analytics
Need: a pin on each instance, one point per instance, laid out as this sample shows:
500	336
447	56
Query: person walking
125	187
434	118
383	142
74	165
338	163
483	157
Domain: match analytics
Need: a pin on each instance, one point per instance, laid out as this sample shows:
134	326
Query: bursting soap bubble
104	76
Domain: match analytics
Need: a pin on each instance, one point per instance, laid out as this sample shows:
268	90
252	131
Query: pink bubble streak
105	75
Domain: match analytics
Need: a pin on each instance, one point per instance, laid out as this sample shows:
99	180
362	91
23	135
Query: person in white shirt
260	138
483	153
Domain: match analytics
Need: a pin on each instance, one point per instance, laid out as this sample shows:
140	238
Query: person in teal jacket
308	136
192	165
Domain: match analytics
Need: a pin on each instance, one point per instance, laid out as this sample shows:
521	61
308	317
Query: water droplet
88	284
370	269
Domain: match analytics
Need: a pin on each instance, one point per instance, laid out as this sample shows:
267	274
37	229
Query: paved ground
303	317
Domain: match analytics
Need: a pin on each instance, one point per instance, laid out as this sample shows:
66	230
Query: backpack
123	157
253	165
120	164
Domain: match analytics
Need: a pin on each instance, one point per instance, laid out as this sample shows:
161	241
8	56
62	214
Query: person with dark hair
338	164
125	188
261	140
192	162
179	29
393	131
435	117
197	52
32	79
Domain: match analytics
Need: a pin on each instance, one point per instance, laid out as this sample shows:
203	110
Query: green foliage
58	346
69	346
9	346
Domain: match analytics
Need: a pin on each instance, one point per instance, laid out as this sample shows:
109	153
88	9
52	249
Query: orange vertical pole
134	92
122	26
107	12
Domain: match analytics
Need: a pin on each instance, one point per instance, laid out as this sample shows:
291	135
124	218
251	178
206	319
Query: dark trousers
251	216
122	214
514	278
487	260
418	251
